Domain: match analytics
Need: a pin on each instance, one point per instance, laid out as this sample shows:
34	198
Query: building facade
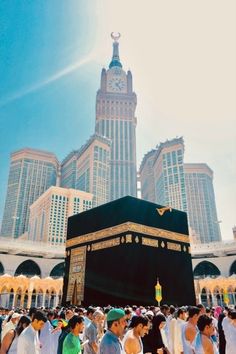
49	213
214	269
146	176
87	169
31	273
202	214
115	119
32	172
68	171
168	170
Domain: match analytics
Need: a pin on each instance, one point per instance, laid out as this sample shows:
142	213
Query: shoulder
91	328
190	332
109	347
11	333
27	332
131	344
190	329
207	344
108	338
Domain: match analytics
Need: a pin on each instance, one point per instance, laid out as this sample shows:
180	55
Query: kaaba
116	252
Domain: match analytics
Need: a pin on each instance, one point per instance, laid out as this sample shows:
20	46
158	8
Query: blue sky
182	55
38	40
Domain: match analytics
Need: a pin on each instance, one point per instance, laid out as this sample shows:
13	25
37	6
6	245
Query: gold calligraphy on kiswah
125	228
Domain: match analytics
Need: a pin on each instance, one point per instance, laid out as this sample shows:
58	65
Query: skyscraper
168	170
32	172
202	214
49	213
87	169
68	170
115	119
146	173
166	180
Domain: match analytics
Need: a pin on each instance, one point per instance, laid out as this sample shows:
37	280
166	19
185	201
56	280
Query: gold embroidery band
173	246
127	227
105	244
149	242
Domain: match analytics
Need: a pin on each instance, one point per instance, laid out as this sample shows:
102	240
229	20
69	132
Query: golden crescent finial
115	36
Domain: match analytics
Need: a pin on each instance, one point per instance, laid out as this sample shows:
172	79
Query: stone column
14	300
56	299
29	299
36	300
22	300
214	300
7	300
43	301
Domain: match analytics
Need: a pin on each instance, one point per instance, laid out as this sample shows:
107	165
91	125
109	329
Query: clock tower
115	119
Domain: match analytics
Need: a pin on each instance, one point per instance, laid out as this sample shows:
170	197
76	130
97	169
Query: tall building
146	173
32	172
87	169
68	170
115	119
202	214
168	170
49	213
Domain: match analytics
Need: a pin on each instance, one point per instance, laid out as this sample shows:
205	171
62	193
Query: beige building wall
147	177
49	214
169	174
92	170
31	173
202	213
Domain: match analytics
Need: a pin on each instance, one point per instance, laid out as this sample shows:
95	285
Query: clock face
116	84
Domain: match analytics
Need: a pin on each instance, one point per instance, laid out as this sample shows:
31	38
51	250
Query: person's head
80	311
165	310
208	312
22	324
226	310
217	312
38	320
32	311
193	314
76	324
181	313
233	318
98	317
128	314
205	325
149	314
140	325
116	321
90	312
202	309
69	314
50	315
158	322
15	317
172	310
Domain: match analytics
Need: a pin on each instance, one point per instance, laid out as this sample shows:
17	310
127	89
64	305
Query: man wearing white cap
11	324
116	323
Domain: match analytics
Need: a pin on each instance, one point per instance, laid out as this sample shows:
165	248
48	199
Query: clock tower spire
115	118
115	57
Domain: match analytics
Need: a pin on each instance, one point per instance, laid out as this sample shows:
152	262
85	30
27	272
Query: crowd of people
112	330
